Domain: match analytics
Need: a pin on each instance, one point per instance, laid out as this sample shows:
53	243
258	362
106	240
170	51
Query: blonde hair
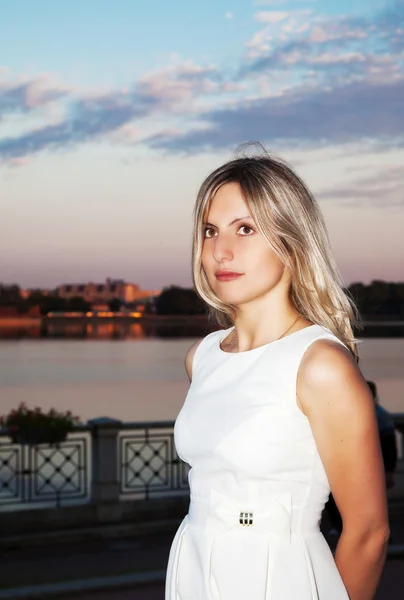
288	216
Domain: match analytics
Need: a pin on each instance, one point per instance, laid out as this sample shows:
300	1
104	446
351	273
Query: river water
140	379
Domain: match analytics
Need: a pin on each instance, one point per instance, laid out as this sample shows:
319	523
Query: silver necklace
279	338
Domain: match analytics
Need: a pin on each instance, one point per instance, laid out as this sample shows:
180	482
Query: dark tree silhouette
114	305
179	301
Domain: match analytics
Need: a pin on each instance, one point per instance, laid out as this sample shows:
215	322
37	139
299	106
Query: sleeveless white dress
257	483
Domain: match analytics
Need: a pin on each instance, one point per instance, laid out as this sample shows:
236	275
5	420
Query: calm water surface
140	379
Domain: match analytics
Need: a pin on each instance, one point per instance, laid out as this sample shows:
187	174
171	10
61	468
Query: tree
114	305
179	301
10	294
78	304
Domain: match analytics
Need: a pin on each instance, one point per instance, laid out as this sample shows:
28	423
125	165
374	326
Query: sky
113	113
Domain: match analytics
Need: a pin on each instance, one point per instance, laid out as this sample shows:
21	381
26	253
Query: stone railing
105	461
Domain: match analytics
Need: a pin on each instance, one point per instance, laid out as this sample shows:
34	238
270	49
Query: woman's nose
222	249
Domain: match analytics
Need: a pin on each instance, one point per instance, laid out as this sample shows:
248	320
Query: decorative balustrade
102	462
149	463
43	474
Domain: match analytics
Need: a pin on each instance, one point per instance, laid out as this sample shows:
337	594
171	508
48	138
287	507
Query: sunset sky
112	113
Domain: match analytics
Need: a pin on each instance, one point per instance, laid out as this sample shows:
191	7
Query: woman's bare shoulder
327	362
189	358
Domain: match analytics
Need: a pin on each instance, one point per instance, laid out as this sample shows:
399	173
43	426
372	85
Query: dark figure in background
388	445
387	435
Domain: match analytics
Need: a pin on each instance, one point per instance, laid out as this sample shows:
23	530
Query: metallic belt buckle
246	519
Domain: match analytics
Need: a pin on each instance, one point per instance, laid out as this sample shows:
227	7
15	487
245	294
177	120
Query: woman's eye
209	232
246	227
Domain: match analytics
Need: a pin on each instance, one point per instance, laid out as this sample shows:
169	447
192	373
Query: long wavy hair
288	216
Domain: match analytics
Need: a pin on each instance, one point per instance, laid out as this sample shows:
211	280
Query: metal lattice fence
43	474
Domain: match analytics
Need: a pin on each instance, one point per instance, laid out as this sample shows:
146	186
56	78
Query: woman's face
239	263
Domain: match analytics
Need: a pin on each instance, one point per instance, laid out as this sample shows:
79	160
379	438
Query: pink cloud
271	16
18	162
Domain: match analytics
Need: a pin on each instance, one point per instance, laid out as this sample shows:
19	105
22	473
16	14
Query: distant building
102	293
27	292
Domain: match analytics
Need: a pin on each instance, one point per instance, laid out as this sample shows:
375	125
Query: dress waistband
273	515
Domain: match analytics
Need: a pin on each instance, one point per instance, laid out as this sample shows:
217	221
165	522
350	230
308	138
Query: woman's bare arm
338	404
189	358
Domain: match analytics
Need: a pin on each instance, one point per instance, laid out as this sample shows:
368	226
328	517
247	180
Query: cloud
229	15
351	112
300	41
19	162
311	82
30	95
386	188
167	91
328	38
88	119
279	26
273	16
175	87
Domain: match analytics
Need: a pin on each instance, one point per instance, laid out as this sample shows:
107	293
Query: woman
277	413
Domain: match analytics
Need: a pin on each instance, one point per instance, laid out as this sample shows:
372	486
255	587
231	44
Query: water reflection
14	333
106	331
121	330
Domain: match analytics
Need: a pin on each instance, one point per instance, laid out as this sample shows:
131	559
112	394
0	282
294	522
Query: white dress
257	483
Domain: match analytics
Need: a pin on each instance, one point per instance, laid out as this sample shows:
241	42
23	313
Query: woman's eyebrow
232	223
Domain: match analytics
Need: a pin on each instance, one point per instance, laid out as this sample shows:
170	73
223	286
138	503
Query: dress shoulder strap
320	333
204	347
290	357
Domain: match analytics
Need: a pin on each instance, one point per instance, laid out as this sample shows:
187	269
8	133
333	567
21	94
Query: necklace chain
279	338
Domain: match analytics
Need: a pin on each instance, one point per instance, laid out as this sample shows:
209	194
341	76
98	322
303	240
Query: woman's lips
227	276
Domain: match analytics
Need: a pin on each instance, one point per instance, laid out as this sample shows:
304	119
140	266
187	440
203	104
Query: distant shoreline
192	326
160	319
60	320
